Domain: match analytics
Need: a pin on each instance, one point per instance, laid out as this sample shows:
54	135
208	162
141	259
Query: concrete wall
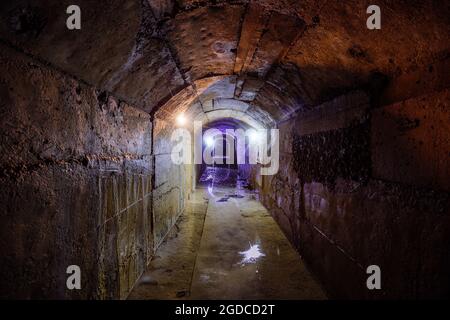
359	186
82	183
77	180
173	183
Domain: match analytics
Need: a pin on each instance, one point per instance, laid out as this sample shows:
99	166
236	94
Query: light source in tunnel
209	141
181	119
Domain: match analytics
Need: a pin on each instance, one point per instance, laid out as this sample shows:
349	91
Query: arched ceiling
263	59
216	115
212	98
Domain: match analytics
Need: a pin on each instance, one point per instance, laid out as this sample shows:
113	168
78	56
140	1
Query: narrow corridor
227	247
218	149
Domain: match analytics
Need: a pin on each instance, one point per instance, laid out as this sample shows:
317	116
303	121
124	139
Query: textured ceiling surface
263	59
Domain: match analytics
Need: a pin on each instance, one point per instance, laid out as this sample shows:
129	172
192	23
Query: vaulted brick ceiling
263	59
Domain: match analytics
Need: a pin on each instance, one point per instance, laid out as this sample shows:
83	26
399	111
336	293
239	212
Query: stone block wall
76	175
125	241
359	186
173	183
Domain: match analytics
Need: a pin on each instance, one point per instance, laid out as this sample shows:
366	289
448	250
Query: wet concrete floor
226	246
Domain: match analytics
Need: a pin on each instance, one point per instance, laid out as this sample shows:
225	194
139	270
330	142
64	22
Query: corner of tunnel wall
173	182
353	177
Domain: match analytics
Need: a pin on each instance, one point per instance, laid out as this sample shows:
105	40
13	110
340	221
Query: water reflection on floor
215	178
227	247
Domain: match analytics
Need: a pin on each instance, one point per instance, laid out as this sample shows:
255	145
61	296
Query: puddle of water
251	255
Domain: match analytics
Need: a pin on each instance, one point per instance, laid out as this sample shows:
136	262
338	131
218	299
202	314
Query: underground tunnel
181	149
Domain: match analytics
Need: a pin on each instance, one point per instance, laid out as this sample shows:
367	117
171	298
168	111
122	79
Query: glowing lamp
209	141
254	136
181	120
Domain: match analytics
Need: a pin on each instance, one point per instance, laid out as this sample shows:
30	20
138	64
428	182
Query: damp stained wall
77	185
360	185
173	182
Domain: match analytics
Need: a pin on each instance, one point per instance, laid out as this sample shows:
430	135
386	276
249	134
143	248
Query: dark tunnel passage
178	149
